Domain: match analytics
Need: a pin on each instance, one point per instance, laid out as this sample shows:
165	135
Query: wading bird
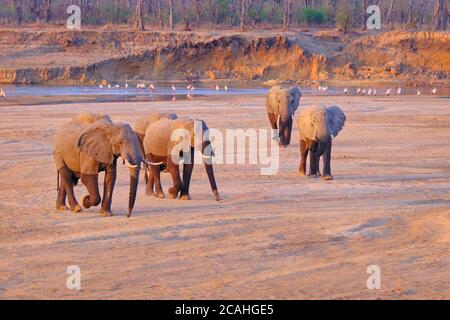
2	94
226	88
345	91
151	87
418	93
434	91
358	91
217	87
388	92
173	88
399	91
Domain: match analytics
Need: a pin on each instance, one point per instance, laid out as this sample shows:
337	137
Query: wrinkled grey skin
162	150
140	127
318	126
87	145
281	104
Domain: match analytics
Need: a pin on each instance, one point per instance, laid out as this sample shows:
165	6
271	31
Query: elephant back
157	137
66	151
144	122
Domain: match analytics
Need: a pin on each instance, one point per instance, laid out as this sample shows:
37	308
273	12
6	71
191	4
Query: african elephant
88	144
281	104
318	126
141	127
169	142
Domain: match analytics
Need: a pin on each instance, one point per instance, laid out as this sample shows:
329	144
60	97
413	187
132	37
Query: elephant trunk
285	125
134	179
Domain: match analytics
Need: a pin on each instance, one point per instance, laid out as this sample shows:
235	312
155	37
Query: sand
279	237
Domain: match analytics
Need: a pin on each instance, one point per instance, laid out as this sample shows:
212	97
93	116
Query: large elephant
318	126
281	104
169	142
85	146
141	127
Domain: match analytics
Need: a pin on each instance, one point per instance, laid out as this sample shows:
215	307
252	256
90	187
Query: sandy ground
278	237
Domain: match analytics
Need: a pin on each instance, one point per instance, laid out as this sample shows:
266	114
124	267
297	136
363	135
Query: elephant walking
141	127
88	144
281	104
169	142
318	127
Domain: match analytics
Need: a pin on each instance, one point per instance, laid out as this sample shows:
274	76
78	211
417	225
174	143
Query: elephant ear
295	98
336	118
95	142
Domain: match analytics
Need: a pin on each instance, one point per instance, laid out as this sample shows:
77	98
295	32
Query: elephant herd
92	143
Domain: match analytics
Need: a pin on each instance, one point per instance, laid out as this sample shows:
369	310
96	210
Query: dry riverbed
278	237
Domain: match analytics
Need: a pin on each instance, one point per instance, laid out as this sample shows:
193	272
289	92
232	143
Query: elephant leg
91	182
187	173
327	163
303	156
156	174
273	123
174	170
313	160
66	182
108	189
61	199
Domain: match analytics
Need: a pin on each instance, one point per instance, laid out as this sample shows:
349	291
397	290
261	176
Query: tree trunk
171	14
139	15
19	12
389	14
160	15
185	5
363	15
440	15
243	15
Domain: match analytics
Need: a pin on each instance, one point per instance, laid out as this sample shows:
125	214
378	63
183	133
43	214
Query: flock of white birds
323	90
373	91
151	87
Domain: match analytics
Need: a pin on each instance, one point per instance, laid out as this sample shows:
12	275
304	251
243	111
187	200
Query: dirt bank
88	57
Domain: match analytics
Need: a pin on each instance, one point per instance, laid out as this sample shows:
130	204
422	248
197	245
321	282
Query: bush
312	16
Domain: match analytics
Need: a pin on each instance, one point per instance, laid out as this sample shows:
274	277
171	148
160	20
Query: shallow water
166	92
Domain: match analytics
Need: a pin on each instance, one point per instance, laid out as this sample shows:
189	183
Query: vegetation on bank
187	14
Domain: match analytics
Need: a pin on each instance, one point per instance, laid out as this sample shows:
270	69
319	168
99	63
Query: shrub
312	16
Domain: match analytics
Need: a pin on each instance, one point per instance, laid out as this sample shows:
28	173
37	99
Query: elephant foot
185	197
86	202
327	177
105	213
173	193
76	208
160	195
150	193
284	145
313	176
61	207
302	173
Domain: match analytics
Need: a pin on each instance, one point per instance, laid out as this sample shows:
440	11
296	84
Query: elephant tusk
129	165
332	137
206	157
152	163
